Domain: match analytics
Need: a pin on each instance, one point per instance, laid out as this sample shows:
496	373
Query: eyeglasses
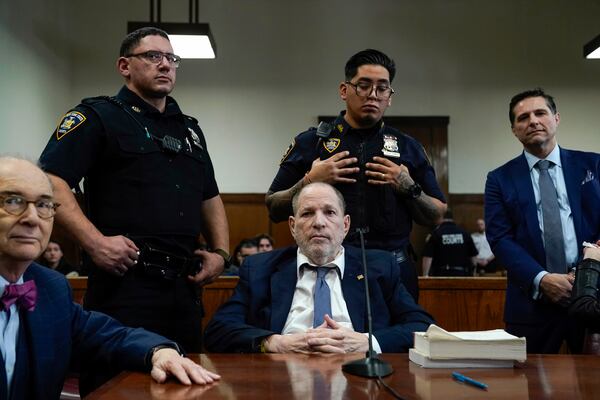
156	57
364	89
16	205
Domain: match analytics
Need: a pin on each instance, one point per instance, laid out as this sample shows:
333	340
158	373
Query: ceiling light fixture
189	40
592	48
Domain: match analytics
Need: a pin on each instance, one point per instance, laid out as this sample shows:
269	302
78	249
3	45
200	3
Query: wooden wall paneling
457	304
467	208
464	304
247	216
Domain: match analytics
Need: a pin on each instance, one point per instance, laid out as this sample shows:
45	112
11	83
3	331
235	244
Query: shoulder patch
69	123
426	155
288	151
331	144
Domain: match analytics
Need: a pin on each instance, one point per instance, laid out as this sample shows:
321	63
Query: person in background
53	258
485	260
264	242
449	250
245	248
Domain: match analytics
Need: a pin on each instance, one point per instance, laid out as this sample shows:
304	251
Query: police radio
323	131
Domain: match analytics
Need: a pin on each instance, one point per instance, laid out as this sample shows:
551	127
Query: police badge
390	146
331	144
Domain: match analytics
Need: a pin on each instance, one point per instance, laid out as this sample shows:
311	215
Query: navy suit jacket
513	231
263	298
59	328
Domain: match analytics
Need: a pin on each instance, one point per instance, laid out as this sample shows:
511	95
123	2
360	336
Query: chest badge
136	109
69	123
195	138
331	144
390	146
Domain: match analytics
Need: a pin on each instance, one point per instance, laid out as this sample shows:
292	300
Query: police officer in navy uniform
150	192
384	175
449	250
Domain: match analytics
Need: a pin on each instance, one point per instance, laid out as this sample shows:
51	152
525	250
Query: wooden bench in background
457	304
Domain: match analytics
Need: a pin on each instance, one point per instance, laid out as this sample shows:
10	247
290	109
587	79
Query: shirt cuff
376	346
536	285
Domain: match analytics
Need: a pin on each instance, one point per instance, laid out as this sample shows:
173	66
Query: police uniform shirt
133	185
449	245
379	208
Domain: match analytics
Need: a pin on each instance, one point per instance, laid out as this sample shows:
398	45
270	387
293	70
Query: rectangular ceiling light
189	40
592	48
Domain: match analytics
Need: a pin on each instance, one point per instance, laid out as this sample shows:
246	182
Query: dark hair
537	92
338	194
245	243
133	39
369	57
262	236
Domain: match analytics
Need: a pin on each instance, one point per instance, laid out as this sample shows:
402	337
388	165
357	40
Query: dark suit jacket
263	297
59	328
512	225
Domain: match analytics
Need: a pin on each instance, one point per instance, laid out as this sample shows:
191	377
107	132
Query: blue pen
465	379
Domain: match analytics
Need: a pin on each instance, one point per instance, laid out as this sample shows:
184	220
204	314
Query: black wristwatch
414	191
225	255
171	345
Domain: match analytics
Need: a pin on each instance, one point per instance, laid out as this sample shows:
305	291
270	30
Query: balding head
23	237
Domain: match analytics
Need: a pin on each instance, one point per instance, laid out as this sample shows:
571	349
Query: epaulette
96	100
194	120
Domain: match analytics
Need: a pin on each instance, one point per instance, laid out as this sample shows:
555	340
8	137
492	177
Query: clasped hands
381	171
330	337
558	287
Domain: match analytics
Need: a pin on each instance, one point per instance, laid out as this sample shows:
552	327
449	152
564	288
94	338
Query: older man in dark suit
539	208
311	298
40	326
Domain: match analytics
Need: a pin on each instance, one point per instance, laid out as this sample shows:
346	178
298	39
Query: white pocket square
589	176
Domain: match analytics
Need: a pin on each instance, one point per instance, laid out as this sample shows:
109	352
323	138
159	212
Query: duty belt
166	265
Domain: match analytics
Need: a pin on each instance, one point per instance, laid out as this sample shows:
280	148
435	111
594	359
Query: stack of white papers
438	348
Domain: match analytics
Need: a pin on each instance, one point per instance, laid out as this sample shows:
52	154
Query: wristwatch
414	191
225	255
171	345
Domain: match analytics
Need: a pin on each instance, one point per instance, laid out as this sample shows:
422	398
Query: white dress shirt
9	331
300	317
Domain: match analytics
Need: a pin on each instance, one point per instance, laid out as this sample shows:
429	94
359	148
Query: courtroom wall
280	62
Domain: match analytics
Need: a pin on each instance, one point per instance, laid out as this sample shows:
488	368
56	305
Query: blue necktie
554	244
322	296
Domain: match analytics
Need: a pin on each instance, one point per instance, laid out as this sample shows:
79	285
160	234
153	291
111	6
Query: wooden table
288	377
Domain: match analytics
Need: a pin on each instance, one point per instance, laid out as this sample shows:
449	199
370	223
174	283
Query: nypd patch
331	144
288	151
69	123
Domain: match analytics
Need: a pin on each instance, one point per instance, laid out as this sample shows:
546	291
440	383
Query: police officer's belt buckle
163	264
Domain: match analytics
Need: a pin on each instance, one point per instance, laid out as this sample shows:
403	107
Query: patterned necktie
24	295
553	235
321	296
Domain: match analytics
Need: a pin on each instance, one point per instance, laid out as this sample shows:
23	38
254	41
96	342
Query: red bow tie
24	295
